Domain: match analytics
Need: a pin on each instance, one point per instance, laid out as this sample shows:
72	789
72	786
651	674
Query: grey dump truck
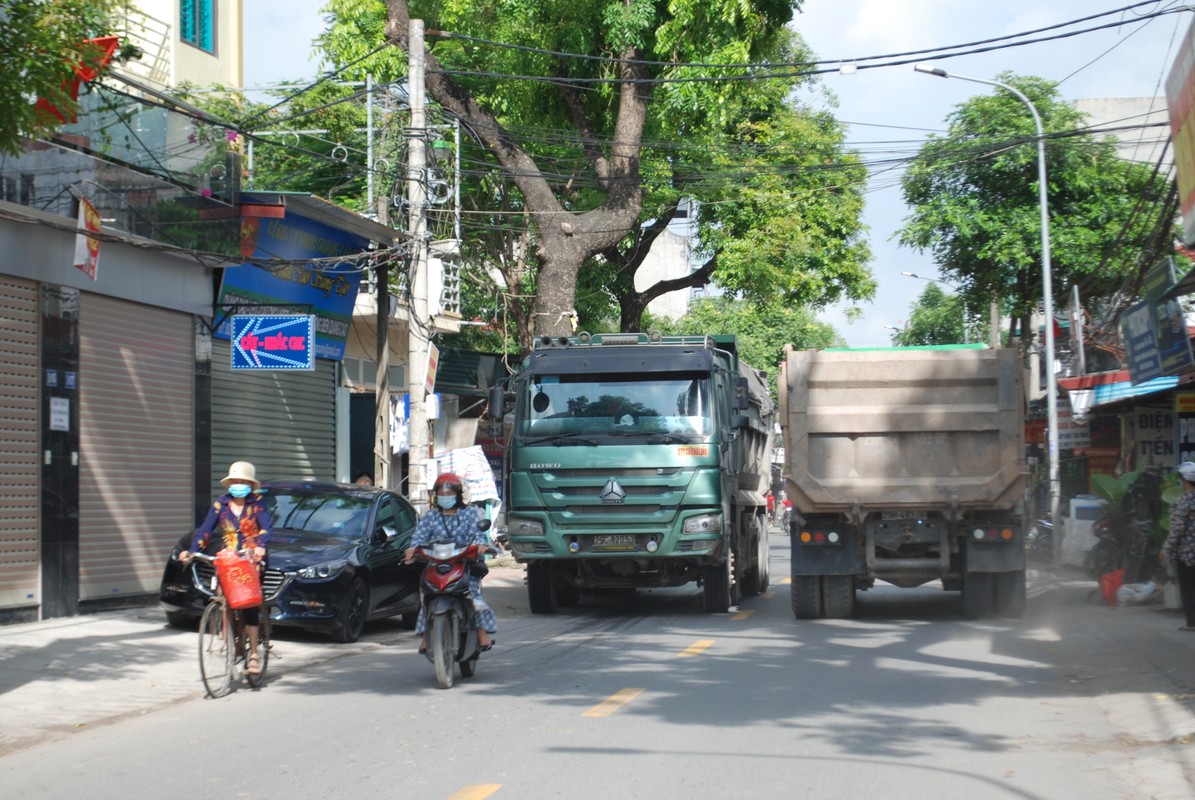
905	465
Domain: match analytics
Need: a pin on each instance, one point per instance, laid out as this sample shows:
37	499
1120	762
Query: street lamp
1047	290
966	337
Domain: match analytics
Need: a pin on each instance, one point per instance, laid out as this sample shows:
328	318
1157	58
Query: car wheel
352	618
177	619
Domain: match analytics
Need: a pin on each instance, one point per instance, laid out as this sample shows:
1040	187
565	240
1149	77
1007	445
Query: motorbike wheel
439	634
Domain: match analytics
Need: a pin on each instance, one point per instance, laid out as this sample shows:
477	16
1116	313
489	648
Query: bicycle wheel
263	651
216	649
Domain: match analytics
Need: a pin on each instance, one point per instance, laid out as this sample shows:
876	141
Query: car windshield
319	512
615	405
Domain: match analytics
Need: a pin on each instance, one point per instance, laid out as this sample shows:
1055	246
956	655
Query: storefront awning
1111	387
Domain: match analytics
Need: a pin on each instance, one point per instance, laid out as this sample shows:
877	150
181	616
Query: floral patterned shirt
251	529
1180	543
459	528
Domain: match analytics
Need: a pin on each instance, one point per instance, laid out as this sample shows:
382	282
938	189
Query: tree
935	318
762	331
592	145
42	44
974	196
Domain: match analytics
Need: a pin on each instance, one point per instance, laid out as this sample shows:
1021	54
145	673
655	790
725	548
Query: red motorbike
450	622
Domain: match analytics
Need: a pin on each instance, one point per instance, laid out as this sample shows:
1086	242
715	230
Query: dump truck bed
915	428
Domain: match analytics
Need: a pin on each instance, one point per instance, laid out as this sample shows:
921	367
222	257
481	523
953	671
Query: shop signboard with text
326	289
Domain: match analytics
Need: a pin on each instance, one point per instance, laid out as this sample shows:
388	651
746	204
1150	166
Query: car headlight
525	527
706	523
324	571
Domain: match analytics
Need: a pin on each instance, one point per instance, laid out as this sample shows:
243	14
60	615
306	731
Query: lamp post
966	337
1047	290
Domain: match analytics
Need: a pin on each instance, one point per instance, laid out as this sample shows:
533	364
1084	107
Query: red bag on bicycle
238	578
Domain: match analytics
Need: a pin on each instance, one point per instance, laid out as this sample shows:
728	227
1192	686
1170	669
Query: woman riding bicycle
451	519
241	521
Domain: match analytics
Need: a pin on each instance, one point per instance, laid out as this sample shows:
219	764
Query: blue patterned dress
461	529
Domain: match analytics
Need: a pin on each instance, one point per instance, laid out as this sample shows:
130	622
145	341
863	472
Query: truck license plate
904	515
614	541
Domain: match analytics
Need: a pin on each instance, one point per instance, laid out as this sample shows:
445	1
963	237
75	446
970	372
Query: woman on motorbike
241	521
451	519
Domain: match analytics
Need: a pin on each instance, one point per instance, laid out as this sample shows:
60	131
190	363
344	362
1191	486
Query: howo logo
612	493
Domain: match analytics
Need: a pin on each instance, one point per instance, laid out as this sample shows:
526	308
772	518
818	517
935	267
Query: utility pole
419	323
381	421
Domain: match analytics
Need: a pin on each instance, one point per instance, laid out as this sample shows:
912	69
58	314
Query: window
197	23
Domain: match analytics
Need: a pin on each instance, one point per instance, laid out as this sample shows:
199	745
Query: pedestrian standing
1179	547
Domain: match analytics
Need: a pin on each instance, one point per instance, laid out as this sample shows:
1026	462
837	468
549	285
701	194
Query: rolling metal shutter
136	430
284	421
19	436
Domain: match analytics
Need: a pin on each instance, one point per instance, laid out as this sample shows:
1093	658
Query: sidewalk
70	673
63	675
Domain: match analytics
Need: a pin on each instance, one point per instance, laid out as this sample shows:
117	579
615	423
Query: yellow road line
613	703
477	791
787	580
697	648
742	615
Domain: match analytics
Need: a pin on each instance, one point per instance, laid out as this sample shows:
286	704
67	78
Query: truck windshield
616	405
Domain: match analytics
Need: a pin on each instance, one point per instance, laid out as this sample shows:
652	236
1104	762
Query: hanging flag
87	248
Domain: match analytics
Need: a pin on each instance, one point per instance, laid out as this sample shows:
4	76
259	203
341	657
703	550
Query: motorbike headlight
324	571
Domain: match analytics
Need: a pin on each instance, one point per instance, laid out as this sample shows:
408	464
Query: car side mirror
389	534
484	525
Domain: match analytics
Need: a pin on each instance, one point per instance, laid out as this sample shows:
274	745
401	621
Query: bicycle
218	660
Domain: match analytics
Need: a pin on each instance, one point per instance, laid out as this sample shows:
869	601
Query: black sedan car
343	546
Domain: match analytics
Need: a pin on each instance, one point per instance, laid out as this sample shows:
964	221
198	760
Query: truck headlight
706	523
525	527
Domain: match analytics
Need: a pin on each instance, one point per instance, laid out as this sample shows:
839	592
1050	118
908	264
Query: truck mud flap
996	556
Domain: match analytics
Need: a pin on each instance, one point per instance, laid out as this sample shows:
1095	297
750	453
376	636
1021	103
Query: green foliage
41	43
938	318
975	200
778	221
762	331
786	222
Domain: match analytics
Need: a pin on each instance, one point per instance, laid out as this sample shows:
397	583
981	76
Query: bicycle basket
238	578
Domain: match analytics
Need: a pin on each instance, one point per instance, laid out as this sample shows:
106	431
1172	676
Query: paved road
631	697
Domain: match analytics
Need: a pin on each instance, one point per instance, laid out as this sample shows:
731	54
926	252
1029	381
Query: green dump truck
905	465
639	461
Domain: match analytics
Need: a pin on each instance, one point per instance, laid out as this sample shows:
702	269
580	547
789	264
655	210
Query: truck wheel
755	582
765	553
716	585
1010	594
807	596
838	596
541	588
979	599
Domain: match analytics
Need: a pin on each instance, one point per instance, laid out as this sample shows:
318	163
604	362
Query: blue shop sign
328	289
273	342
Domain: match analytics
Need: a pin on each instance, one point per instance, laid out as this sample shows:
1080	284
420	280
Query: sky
888	108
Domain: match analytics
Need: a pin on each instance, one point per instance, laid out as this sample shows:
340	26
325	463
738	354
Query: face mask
446	501
240	490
